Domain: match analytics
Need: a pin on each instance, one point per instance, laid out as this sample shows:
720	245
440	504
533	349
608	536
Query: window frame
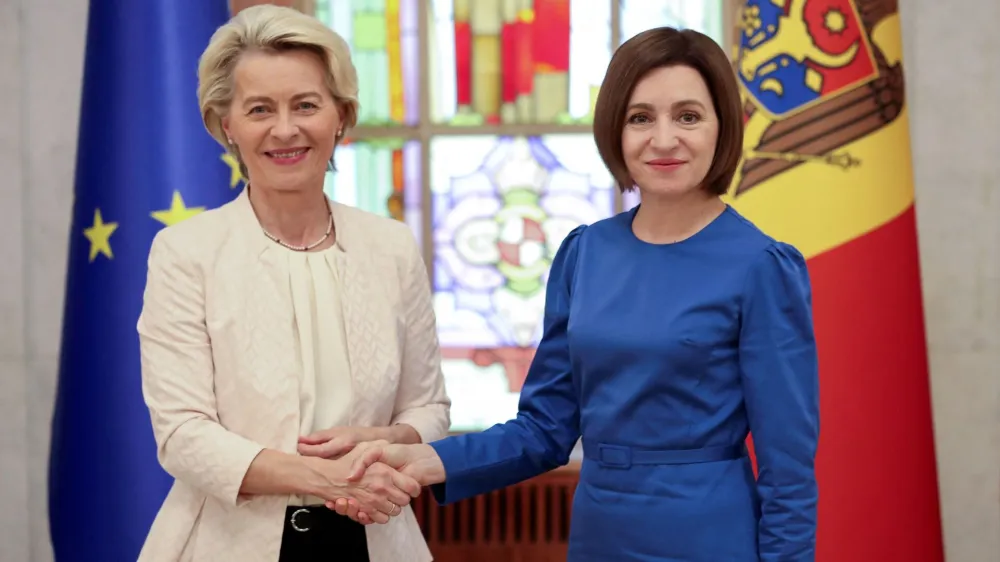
425	129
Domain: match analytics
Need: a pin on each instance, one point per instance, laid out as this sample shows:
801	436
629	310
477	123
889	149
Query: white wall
953	71
41	63
952	55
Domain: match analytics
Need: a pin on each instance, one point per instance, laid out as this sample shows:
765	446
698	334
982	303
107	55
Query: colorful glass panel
517	61
385	50
701	15
501	206
381	176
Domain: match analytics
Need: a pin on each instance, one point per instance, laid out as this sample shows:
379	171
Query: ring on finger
394	510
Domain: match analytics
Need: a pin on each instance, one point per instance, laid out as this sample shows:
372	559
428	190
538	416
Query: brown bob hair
656	48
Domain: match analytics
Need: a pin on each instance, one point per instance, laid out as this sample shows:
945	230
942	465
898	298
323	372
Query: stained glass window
701	15
385	49
517	61
499	204
501	207
381	176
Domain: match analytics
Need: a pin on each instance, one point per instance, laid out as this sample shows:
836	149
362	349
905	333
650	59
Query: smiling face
283	119
671	129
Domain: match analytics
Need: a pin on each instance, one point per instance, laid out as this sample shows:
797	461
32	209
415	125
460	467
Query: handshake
373	480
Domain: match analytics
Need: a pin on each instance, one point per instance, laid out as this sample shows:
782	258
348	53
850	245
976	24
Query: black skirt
317	533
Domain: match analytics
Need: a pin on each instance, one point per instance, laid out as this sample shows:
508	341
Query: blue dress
663	358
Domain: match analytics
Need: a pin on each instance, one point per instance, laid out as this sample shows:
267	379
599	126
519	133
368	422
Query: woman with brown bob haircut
671	332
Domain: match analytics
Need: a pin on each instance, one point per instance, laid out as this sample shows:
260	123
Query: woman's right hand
381	492
419	461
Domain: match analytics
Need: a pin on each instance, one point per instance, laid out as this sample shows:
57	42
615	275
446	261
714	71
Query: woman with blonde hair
281	329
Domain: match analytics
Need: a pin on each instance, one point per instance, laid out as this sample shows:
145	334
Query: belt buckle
614	456
295	514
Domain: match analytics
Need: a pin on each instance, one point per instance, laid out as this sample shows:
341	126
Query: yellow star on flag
235	175
100	236
177	211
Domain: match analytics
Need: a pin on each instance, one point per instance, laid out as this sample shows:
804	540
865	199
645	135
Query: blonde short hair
267	27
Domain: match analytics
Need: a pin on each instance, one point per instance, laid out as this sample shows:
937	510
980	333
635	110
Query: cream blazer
221	365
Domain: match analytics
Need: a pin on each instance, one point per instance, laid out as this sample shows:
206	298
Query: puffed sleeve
779	369
178	379
421	400
547	425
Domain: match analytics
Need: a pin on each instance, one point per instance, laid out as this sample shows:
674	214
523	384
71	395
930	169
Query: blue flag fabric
144	161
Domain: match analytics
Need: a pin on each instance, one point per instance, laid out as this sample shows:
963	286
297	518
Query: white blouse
325	388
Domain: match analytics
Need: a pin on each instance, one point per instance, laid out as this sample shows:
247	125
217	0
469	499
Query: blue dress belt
623	456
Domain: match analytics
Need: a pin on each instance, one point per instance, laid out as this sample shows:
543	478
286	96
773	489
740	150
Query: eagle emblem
812	81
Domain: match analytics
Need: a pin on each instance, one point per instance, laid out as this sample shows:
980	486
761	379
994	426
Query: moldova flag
827	168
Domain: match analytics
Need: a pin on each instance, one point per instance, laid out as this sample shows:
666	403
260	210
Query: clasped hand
380	474
419	462
376	488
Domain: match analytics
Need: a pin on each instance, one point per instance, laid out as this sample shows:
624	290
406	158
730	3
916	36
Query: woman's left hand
336	442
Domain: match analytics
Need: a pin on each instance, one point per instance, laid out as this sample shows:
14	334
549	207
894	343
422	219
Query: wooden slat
505	525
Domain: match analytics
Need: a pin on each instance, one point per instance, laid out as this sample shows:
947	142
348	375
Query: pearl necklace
276	240
329	229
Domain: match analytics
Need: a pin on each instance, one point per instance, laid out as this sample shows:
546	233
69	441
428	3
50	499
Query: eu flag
144	161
